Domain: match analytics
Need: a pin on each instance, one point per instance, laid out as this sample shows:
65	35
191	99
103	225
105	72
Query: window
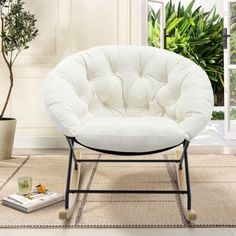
156	23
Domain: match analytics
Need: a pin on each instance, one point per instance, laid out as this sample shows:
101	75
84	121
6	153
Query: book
32	202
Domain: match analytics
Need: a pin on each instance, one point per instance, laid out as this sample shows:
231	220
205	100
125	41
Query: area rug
213	182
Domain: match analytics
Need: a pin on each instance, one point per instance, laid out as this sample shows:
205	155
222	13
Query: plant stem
9	94
9	65
15	57
3	52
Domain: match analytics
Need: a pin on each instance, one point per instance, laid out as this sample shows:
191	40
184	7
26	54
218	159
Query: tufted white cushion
128	98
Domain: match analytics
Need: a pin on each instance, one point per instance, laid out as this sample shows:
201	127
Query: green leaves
154	28
197	35
218	115
19	28
4	2
173	24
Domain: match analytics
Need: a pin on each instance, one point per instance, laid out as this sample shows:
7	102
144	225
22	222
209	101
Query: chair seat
130	134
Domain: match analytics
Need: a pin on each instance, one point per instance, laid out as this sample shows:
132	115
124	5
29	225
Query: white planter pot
7	134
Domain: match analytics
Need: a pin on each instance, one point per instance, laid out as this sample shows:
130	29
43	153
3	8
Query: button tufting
155	82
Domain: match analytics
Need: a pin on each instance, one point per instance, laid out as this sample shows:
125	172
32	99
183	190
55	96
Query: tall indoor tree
18	29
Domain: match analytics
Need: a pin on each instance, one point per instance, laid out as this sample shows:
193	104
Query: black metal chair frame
72	158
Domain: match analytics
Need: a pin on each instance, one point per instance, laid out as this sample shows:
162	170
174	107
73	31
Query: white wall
65	26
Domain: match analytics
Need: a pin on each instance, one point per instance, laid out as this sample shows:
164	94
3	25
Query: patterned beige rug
213	179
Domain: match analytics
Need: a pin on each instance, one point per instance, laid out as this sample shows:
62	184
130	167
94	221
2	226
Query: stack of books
33	201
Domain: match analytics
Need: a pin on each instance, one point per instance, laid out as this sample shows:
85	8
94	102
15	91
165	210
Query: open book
31	202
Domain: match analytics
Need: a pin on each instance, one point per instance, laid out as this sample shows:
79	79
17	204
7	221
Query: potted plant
17	30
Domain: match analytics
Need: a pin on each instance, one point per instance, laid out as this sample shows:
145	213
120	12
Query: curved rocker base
72	186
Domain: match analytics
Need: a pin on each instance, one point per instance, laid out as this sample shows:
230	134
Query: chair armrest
195	106
63	105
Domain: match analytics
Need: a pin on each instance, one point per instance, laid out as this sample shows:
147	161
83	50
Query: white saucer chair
128	100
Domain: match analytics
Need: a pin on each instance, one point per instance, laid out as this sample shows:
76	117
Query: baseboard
40	142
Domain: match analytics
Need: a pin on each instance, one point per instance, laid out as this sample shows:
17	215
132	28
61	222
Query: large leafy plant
17	30
195	34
